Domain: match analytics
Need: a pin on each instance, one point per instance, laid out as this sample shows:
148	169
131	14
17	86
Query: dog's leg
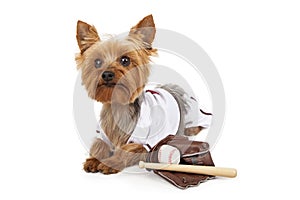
127	155
99	150
192	131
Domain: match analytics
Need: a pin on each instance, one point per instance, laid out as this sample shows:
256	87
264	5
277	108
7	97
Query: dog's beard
117	93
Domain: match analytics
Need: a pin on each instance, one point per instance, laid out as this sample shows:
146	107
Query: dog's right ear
86	36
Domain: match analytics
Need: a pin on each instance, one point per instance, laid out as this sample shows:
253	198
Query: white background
254	44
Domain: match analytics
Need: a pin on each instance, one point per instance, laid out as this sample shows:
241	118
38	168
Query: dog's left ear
146	29
86	36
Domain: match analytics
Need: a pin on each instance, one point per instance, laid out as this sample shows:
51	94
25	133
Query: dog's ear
86	36
146	29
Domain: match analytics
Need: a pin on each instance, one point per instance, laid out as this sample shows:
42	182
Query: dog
115	73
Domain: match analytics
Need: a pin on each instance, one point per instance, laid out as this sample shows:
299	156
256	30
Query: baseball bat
197	169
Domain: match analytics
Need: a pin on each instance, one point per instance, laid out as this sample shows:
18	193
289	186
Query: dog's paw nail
106	170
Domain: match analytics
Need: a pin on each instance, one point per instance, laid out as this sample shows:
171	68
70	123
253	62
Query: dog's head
115	70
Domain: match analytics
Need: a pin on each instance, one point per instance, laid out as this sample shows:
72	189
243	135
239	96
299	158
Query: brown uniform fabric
191	153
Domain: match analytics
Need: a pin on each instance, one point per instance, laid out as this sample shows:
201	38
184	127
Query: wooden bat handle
197	169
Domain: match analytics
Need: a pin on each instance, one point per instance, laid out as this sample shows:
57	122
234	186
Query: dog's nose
108	76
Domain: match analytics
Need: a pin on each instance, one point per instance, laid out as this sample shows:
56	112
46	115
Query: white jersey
160	116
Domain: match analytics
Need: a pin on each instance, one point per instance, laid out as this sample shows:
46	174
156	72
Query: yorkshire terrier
132	120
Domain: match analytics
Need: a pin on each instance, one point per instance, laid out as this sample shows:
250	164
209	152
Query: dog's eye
98	63
125	61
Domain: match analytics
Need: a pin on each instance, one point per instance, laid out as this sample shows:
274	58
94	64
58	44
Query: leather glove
191	153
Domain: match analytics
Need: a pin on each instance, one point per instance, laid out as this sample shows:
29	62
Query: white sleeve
195	116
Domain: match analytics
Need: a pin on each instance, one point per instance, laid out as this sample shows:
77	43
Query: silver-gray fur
179	94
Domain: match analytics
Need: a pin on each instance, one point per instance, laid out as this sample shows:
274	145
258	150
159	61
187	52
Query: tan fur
192	131
110	51
120	96
127	155
128	84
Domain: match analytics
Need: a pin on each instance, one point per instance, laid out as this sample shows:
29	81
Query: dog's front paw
110	166
91	165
